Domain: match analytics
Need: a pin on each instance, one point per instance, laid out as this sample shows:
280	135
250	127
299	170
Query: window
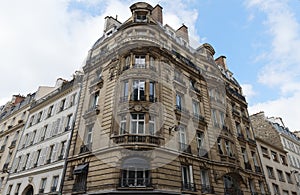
43	132
262	188
94	100
88	135
179	101
141	17
238	129
280	175
274	156
30	121
37	157
220	146
275	189
248	133
254	158
251	185
135	173
245	155
32	137
228	148
288	177
215	118
196	108
49	113
123	124
151	125
182	137
9	189
62	150
265	152
50	154
200	139
43	185
62	105
54	183
69	122
140	61
270	172
72	100
138	90
81	176
187	178
152	63
39	116
125	91
222	118
205	184
282	159
25	161
137	124
17	188
152	91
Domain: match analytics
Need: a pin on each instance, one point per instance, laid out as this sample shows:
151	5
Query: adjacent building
13	116
156	116
38	166
279	152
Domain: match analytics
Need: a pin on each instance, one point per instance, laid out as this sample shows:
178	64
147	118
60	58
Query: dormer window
140	17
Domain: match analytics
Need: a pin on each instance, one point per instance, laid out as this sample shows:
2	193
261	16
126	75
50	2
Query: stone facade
38	165
158	117
275	153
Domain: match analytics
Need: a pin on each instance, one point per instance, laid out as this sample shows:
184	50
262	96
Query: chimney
157	14
111	22
221	61
17	99
183	32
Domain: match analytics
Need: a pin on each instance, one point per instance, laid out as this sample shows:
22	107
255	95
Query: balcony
179	80
185	148
187	186
93	110
248	166
129	139
85	148
257	169
203	153
135	182
142	65
207	189
181	109
236	94
198	117
233	191
97	82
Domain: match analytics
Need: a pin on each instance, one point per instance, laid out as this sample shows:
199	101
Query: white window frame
136	123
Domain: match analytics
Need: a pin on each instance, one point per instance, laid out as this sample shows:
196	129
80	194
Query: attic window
141	17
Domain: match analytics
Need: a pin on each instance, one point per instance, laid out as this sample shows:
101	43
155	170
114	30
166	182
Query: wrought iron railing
135	182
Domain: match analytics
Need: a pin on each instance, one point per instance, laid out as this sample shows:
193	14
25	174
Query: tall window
270	172
204	180
196	108
182	136
25	161
138	90
54	183
262	188
43	185
125	90
151	125
248	133
276	189
228	148
245	156
62	105
222	118
214	118
179	101
62	149
30	121
187	178
123	124
152	63
37	157
238	129
72	100
199	138
43	132
17	188
254	158
69	122
49	113
251	185
140	61
94	99
39	116
152	91
274	156
220	148
137	124
280	175
50	153
88	135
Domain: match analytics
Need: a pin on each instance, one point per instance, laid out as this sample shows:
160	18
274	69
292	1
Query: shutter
62	124
54	152
48	132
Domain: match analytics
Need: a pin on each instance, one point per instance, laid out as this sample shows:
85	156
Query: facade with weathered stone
279	151
158	117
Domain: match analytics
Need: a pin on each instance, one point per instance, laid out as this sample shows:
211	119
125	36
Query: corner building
159	117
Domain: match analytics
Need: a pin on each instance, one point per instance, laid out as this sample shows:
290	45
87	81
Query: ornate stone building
13	116
157	116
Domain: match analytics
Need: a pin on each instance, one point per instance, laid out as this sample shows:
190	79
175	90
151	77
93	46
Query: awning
80	169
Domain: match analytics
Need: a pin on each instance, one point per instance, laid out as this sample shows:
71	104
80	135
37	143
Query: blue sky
45	40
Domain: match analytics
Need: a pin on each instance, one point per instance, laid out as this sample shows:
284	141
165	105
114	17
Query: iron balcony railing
187	186
135	182
207	189
183	147
233	191
128	139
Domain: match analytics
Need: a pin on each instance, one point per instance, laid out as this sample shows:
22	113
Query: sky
41	41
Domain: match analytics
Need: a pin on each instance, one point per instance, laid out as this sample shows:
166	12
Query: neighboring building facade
159	117
40	159
13	116
272	146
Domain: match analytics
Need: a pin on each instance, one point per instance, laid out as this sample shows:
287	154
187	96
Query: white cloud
44	40
287	108
282	68
248	90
